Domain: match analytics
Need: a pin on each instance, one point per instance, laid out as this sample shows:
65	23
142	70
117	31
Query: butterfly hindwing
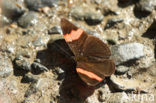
94	72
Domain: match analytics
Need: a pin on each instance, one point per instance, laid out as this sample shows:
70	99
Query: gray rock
119	98
118	87
10	9
22	64
30	78
4	20
111	22
91	17
6	67
37	4
55	30
38	68
146	6
121	69
41	41
28	19
40	85
125	52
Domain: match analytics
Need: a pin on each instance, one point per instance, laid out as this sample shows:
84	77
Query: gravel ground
34	70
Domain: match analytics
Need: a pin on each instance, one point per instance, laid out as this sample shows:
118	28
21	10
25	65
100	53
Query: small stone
38	68
30	78
125	52
91	17
111	22
6	67
121	69
28	19
55	30
10	9
37	4
22	64
146	6
41	41
119	98
39	85
151	31
4	20
60	73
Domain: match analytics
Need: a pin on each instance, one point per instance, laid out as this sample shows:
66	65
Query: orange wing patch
89	74
74	35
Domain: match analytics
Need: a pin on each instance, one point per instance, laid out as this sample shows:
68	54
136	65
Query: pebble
40	85
4	20
41	41
37	4
121	70
151	31
6	67
22	64
146	6
111	22
91	17
118	87
60	73
38	68
30	78
28	19
55	30
119	98
128	51
11	10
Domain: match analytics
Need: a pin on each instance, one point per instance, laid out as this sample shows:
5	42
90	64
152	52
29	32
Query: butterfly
90	53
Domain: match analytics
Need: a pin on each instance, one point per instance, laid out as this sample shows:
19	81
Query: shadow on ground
72	89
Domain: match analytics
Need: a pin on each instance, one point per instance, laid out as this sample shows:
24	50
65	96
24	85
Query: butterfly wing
94	47
74	36
94	72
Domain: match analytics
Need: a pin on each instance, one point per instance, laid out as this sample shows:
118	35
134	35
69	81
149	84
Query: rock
60	73
119	98
38	68
104	94
4	20
55	30
22	64
151	31
30	78
117	84
6	67
111	22
37	4
40	85
146	6
125	52
121	69
91	17
41	41
10	9
28	19
8	47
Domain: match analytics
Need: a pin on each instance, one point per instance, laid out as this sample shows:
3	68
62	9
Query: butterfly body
91	54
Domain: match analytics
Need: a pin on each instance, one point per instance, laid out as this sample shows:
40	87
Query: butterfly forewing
74	36
94	47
